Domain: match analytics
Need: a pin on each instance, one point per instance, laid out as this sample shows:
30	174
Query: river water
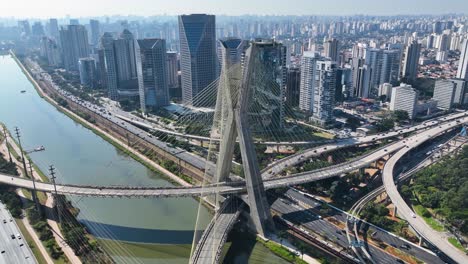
133	230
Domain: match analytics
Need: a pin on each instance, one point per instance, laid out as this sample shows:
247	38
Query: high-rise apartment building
317	89
198	58
390	67
462	72
50	50
331	49
124	48
404	98
324	91
444	92
410	60
172	70
74	39
152	73
461	89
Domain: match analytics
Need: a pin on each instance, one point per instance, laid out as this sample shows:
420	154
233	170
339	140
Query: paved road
437	239
380	234
16	250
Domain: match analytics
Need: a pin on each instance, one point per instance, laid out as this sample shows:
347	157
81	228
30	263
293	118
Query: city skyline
56	8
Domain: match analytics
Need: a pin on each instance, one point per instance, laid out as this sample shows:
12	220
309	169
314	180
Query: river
133	230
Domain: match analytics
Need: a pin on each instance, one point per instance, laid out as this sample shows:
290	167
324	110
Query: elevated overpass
433	237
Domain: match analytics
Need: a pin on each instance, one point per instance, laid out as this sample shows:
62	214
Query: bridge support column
394	211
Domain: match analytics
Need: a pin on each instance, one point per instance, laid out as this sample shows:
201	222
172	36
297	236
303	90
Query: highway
12	250
435	238
239	186
308	204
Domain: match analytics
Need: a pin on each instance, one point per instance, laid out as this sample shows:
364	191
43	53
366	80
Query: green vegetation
457	244
32	244
281	251
427	216
442	188
385	124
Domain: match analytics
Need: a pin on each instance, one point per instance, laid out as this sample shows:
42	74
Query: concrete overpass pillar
394	211
362	171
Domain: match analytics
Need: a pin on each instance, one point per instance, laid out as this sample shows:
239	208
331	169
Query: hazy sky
77	8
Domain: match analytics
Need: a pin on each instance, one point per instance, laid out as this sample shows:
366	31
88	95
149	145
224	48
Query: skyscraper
172	75
324	91
293	87
53	29
306	94
152	73
390	67
410	61
357	77
267	71
88	74
198	54
95	32
462	72
125	56
373	60
74	39
108	67
331	49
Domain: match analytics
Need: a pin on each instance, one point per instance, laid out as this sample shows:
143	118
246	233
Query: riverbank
100	132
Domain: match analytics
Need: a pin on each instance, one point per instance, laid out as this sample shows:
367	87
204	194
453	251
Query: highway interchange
401	146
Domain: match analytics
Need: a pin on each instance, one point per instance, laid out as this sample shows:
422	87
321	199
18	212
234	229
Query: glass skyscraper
197	55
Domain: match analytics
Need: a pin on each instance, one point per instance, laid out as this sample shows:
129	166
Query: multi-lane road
13	248
436	238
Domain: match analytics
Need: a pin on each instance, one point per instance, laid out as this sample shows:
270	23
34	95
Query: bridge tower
239	65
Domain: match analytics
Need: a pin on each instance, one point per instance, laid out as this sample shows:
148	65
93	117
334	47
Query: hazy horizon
146	8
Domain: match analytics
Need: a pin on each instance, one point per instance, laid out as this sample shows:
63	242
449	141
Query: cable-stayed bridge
233	109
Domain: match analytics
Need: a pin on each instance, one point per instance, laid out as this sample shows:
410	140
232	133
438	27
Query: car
21	244
13	237
400	261
413	215
4	221
3	252
18	236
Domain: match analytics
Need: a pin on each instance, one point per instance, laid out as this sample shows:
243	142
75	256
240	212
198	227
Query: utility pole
34	193
21	150
57	203
6	142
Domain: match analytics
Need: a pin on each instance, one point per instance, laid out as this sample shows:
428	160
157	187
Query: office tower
306	94
152	73
324	91
124	49
331	49
267	77
50	50
404	98
74	39
172	70
373	61
461	89
462	72
234	48
108	65
344	81
37	29
88	74
95	32
390	67
293	85
197	55
385	89
54	29
357	77
410	61
74	21
444	92
24	27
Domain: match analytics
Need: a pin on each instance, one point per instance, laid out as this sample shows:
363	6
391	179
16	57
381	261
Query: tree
400	115
353	122
385	124
302	247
